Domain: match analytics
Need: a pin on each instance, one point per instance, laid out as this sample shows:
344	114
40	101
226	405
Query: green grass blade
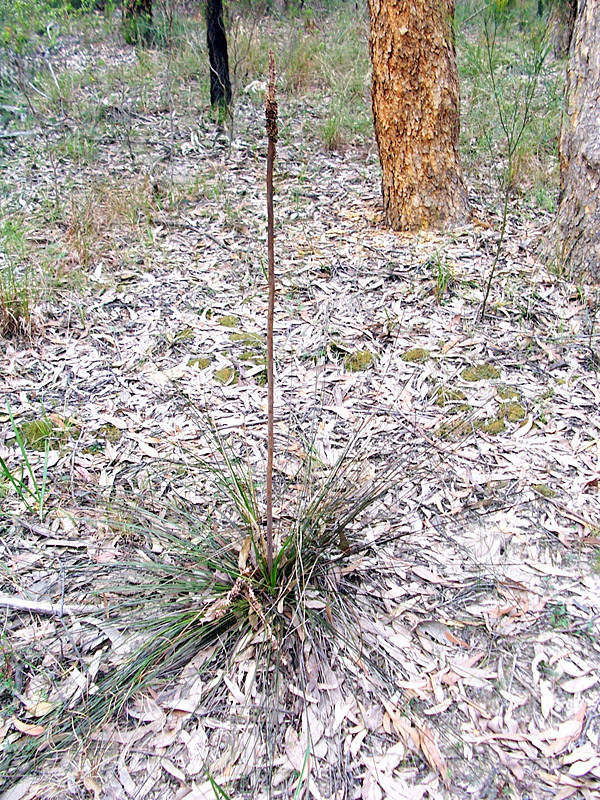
220	793
44	484
21	445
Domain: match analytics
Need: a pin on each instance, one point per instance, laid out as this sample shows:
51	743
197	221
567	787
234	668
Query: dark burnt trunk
220	84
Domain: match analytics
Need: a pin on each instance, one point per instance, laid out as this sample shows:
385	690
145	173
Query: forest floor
488	591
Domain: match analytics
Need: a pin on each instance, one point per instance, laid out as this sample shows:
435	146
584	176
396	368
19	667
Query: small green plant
215	582
220	793
559	615
514	104
16	290
332	133
8	686
15	303
442	275
30	490
138	24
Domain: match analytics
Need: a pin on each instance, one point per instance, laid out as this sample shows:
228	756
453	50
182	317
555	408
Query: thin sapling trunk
272	133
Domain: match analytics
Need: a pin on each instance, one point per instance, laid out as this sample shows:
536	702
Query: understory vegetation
436	423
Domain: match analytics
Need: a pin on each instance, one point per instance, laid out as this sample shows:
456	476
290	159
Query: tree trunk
577	228
561	21
137	23
416	112
220	84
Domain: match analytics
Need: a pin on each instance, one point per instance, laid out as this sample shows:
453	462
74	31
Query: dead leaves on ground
488	604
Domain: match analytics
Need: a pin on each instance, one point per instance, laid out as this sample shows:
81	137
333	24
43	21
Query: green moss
491	426
229	321
227	376
253	357
36	433
508	392
544	490
356	362
445	395
200	361
514	412
416	355
184	335
454	429
261	377
110	432
249	339
51	430
480	372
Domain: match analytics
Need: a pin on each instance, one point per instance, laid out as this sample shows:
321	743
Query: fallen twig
16	134
44	607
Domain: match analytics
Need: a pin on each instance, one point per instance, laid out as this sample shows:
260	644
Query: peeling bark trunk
577	228
416	112
220	84
561	21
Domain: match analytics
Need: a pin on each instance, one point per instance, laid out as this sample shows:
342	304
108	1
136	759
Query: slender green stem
513	123
498	250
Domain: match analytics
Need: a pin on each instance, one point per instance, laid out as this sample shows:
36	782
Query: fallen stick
44	607
16	134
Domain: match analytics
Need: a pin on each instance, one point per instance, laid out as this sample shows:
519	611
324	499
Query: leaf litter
473	666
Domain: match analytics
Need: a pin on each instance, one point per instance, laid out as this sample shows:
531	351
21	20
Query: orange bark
416	112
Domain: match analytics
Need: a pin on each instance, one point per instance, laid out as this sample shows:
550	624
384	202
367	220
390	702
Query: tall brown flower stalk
272	133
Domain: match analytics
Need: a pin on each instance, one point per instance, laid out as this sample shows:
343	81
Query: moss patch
36	433
200	361
491	426
416	355
480	372
508	392
445	395
110	432
514	412
248	339
227	376
454	429
356	362
52	430
229	321
544	490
